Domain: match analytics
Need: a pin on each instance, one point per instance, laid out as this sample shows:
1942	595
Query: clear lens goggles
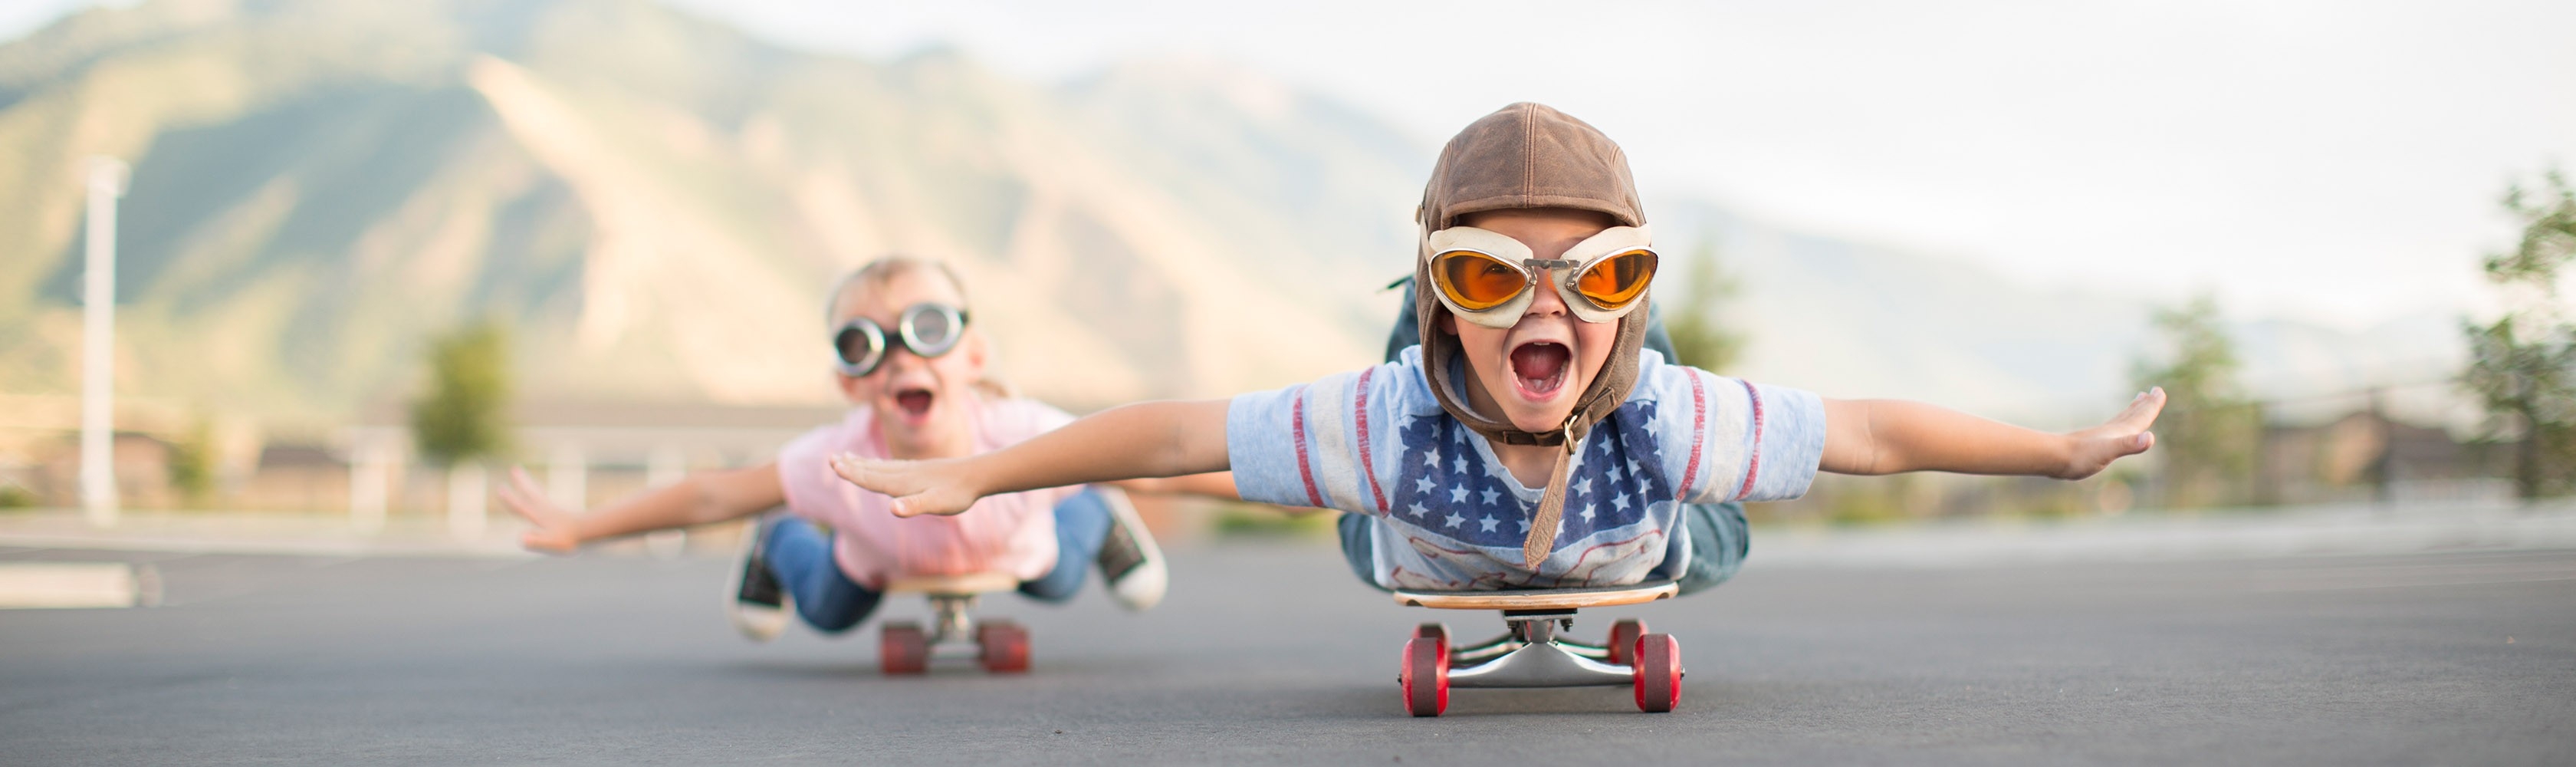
927	329
1488	278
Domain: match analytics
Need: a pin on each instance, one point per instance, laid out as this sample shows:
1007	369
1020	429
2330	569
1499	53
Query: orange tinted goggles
1488	278
1477	281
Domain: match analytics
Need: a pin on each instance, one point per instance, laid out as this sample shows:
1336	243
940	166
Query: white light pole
98	344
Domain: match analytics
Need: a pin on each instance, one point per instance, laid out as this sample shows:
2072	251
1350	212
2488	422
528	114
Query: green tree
2209	431
2522	367
192	463
461	417
1691	319
14	495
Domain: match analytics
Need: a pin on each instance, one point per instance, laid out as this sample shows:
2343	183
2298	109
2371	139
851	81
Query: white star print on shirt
1488	524
1436	541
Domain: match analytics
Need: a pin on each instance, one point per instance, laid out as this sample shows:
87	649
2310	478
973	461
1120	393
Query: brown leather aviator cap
1528	156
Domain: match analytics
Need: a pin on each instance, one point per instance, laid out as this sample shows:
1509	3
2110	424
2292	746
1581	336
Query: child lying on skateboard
913	370
1529	441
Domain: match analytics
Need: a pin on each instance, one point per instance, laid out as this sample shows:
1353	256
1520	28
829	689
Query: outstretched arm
1890	436
1152	439
1211	485
697	499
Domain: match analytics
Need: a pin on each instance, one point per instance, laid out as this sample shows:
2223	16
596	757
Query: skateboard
1533	654
1000	646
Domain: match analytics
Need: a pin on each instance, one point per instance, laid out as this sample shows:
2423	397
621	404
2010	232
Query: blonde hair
878	273
875	275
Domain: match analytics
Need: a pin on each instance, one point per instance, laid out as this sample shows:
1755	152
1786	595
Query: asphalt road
1271	653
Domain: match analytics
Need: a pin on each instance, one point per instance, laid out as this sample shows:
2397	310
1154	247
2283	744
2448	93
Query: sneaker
1129	561
759	606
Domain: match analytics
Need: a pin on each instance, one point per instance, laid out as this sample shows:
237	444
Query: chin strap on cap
1551	505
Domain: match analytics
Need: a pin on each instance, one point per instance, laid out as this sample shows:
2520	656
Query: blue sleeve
1325	443
1739	441
1261	448
1788	443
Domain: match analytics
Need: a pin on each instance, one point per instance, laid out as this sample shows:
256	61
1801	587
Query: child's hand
554	533
918	487
2124	435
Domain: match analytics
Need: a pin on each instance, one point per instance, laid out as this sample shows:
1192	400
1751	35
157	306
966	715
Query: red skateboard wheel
1005	647
1623	640
1657	674
902	648
1426	676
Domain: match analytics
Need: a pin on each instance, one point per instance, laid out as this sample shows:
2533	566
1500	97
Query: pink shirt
1012	533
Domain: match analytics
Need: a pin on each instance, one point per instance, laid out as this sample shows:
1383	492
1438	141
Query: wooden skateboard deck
1539	599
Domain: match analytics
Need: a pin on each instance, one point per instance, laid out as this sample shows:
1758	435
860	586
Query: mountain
655	202
1854	319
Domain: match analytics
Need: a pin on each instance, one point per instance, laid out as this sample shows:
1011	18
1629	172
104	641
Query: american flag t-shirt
1449	516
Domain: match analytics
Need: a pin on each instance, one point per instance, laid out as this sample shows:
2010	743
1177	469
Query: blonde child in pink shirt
913	369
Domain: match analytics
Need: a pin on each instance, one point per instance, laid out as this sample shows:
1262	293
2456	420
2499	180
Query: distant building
2367	456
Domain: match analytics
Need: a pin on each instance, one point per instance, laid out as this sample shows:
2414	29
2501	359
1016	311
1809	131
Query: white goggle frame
1614	241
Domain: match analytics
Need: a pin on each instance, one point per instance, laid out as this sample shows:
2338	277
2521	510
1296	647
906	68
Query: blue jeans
801	556
1717	533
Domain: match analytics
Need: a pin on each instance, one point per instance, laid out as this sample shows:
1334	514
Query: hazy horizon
2313	161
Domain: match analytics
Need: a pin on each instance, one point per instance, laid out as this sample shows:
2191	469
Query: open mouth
914	402
1540	367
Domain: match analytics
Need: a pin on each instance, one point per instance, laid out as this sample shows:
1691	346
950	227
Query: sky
2332	162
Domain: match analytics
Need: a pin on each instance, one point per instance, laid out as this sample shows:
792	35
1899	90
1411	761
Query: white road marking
50	585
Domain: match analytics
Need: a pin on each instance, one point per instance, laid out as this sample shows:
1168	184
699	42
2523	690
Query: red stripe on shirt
1752	465
1699	435
1366	468
1297	426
